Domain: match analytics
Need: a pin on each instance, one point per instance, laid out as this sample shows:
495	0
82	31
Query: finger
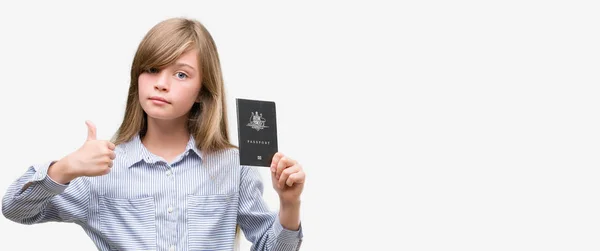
91	130
275	160
295	178
111	146
283	163
112	155
107	161
286	174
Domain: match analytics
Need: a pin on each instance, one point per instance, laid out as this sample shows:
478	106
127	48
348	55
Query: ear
199	96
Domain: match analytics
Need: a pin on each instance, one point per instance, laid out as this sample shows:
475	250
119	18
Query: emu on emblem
257	122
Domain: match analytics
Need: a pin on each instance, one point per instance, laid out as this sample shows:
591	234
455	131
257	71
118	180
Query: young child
170	179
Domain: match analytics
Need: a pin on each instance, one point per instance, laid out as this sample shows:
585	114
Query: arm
53	191
260	226
35	197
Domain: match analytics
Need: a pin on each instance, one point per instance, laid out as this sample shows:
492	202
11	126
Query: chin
161	115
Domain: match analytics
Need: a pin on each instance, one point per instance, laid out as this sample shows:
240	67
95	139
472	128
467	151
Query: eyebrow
184	64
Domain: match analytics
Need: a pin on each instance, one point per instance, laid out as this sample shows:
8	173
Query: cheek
143	79
143	82
190	90
186	96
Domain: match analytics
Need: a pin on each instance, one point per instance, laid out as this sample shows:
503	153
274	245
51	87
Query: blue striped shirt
145	203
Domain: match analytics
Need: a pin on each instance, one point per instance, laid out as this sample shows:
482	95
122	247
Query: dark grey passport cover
257	131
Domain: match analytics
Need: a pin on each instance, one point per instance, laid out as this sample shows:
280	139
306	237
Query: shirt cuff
41	177
286	235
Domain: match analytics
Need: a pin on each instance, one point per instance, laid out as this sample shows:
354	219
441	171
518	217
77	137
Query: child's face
170	92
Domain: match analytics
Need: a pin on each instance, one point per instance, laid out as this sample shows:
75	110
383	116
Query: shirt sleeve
261	226
36	198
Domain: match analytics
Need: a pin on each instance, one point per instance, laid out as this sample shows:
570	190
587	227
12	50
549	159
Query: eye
181	75
152	70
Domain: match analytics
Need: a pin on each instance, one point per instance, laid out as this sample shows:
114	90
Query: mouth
159	100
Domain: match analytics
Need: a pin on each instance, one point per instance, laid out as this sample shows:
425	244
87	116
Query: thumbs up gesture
94	158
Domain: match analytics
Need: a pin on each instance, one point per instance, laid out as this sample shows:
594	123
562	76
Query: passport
257	131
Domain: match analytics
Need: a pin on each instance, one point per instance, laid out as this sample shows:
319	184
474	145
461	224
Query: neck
166	138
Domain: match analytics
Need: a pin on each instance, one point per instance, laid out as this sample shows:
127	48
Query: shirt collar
135	151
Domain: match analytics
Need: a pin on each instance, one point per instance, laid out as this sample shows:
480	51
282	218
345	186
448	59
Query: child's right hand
94	158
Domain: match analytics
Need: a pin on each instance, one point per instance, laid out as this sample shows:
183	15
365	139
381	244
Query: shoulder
228	153
229	156
228	160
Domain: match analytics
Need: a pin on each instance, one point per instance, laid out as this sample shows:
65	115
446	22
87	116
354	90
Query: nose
162	83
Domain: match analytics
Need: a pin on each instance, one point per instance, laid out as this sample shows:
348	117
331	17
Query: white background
433	125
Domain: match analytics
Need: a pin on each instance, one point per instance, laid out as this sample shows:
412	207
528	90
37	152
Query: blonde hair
161	46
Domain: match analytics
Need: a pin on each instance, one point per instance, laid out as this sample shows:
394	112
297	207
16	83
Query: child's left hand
287	176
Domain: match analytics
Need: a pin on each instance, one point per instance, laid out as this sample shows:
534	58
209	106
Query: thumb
91	130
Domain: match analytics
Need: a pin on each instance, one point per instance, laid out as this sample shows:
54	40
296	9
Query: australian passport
257	131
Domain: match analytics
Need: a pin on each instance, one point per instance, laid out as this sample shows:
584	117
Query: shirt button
169	173
170	209
172	248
